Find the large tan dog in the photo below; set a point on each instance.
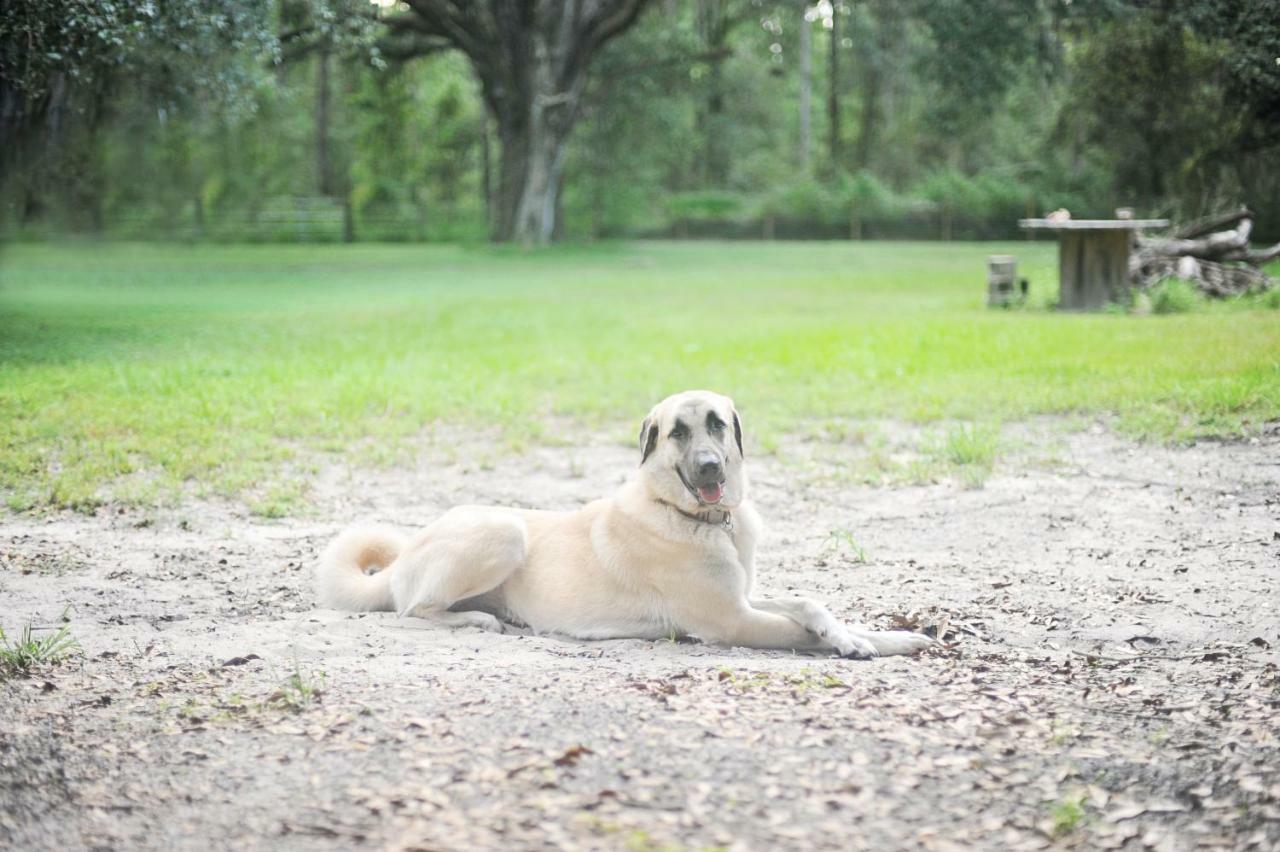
(671, 554)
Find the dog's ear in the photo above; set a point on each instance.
(648, 438)
(737, 432)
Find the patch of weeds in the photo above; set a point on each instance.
(191, 712)
(923, 471)
(28, 653)
(300, 690)
(970, 451)
(280, 500)
(1175, 296)
(1066, 816)
(878, 467)
(843, 541)
(745, 680)
(21, 501)
(1062, 736)
(842, 431)
(972, 445)
(806, 679)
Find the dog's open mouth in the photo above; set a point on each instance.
(711, 493)
(706, 494)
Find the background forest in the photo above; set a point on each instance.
(336, 119)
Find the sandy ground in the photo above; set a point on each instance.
(1111, 680)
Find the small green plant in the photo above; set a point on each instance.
(842, 540)
(1067, 815)
(279, 501)
(300, 690)
(22, 657)
(1269, 299)
(744, 681)
(1175, 296)
(807, 679)
(969, 449)
(971, 444)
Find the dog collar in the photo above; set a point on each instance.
(715, 519)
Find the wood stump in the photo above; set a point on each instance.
(1093, 268)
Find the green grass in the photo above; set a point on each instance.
(1066, 816)
(968, 450)
(843, 542)
(1174, 296)
(300, 690)
(30, 653)
(135, 372)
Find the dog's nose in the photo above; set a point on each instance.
(709, 466)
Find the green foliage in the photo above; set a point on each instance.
(1199, 150)
(29, 653)
(1175, 296)
(1067, 816)
(843, 540)
(809, 200)
(705, 206)
(300, 691)
(192, 119)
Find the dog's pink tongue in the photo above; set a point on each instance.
(710, 493)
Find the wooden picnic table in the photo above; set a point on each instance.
(1093, 258)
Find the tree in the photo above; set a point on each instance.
(62, 66)
(532, 58)
(805, 98)
(327, 29)
(833, 89)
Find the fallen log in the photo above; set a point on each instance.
(1219, 262)
(1214, 279)
(1200, 227)
(1211, 247)
(1255, 257)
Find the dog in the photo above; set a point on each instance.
(670, 555)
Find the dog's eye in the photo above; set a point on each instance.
(680, 432)
(714, 423)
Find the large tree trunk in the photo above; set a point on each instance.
(534, 133)
(531, 57)
(869, 121)
(486, 170)
(833, 90)
(324, 172)
(714, 24)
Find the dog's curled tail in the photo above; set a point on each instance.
(342, 578)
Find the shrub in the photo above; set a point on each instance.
(705, 206)
(1175, 296)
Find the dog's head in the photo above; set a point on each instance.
(691, 452)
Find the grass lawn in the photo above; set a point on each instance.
(130, 371)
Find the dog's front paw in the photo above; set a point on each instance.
(846, 644)
(900, 642)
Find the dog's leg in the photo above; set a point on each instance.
(464, 554)
(818, 620)
(856, 641)
(472, 618)
(724, 620)
(890, 643)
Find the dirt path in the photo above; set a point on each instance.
(1112, 683)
